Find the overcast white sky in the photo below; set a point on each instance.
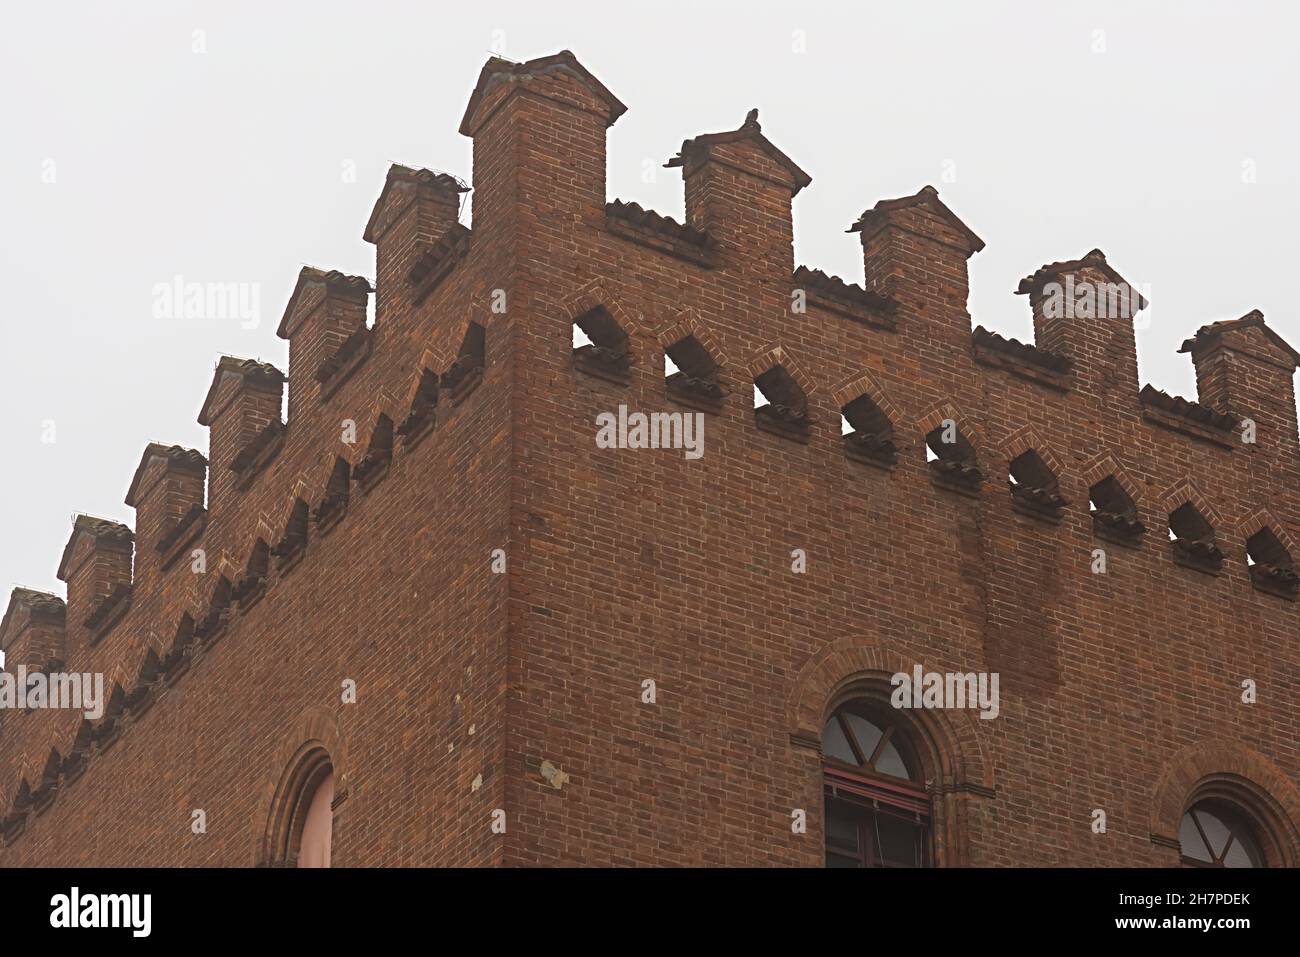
(1164, 133)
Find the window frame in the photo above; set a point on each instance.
(875, 792)
(1243, 828)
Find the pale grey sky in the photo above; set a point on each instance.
(130, 158)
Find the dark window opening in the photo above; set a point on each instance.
(374, 464)
(186, 630)
(877, 808)
(294, 541)
(868, 433)
(215, 618)
(1114, 513)
(335, 503)
(780, 405)
(467, 371)
(601, 347)
(111, 723)
(1192, 538)
(251, 585)
(48, 783)
(423, 413)
(141, 695)
(1271, 567)
(952, 459)
(1034, 487)
(691, 375)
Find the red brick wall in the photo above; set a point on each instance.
(398, 596)
(1118, 691)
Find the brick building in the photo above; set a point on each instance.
(426, 618)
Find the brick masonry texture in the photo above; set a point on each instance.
(1120, 691)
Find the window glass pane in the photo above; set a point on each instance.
(866, 733)
(1238, 855)
(891, 762)
(835, 745)
(898, 842)
(834, 860)
(1216, 832)
(841, 828)
(1190, 840)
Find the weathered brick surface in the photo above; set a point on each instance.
(1119, 691)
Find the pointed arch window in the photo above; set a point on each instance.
(877, 807)
(424, 408)
(249, 587)
(467, 371)
(691, 375)
(294, 542)
(601, 346)
(1114, 513)
(1271, 566)
(1034, 487)
(330, 509)
(868, 435)
(379, 455)
(1192, 538)
(952, 459)
(781, 406)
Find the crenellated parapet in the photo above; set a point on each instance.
(915, 252)
(415, 211)
(719, 168)
(167, 493)
(1244, 366)
(884, 373)
(1083, 309)
(33, 630)
(242, 413)
(96, 567)
(325, 323)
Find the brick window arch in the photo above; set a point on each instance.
(781, 404)
(1114, 513)
(601, 346)
(868, 434)
(467, 371)
(301, 825)
(1272, 567)
(951, 763)
(1035, 488)
(691, 375)
(1192, 538)
(1247, 793)
(877, 806)
(1230, 821)
(952, 458)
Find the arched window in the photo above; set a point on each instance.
(317, 825)
(877, 808)
(1035, 489)
(1218, 833)
(953, 460)
(300, 829)
(780, 404)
